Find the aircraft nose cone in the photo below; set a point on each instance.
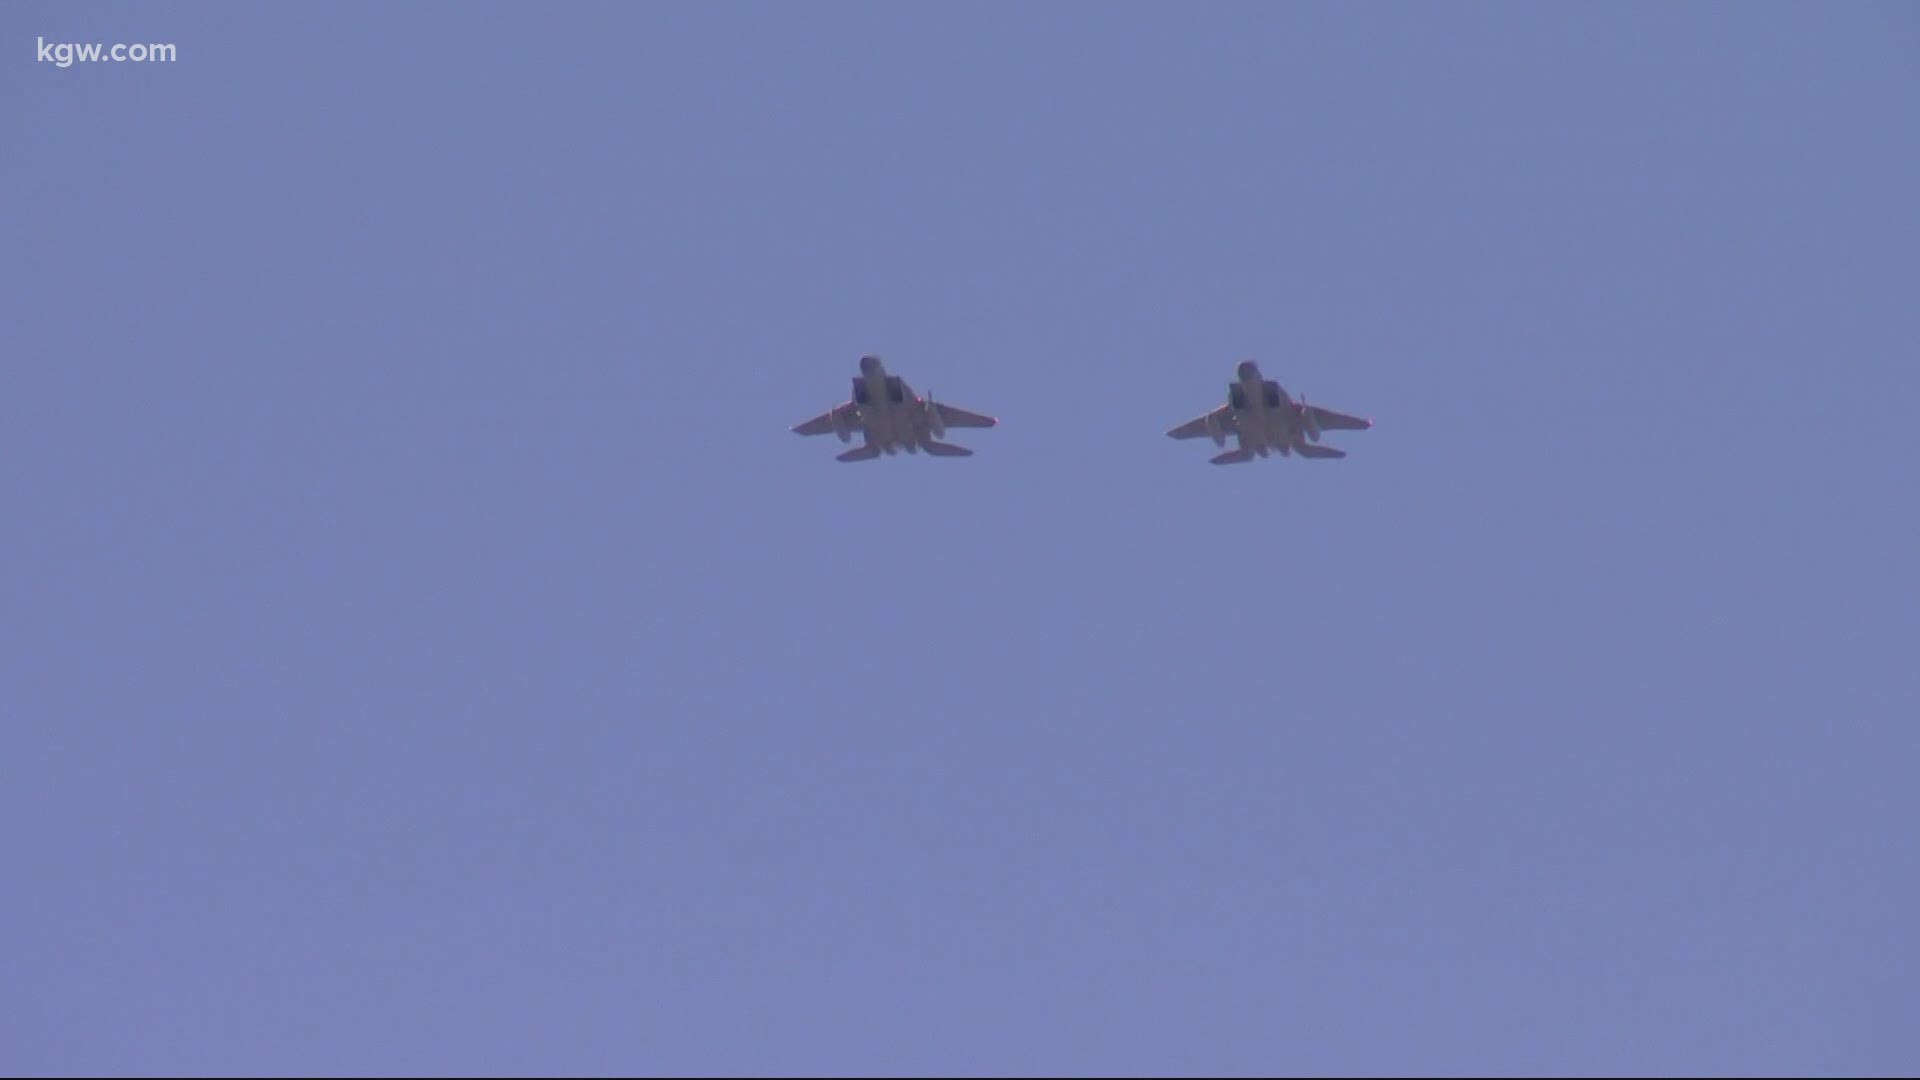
(869, 363)
(1249, 370)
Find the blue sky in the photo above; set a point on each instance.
(426, 649)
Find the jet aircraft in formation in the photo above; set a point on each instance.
(890, 418)
(1261, 416)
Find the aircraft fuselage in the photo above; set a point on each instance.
(1267, 419)
(892, 416)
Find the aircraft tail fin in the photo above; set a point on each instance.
(1233, 457)
(860, 453)
(940, 449)
(1309, 450)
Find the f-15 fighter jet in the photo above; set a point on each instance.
(890, 417)
(1265, 419)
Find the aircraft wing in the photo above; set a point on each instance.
(961, 418)
(1196, 428)
(823, 424)
(1333, 421)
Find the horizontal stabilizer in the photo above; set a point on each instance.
(859, 453)
(1233, 457)
(1312, 451)
(940, 449)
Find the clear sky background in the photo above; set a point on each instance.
(424, 647)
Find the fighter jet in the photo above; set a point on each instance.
(890, 418)
(1264, 419)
